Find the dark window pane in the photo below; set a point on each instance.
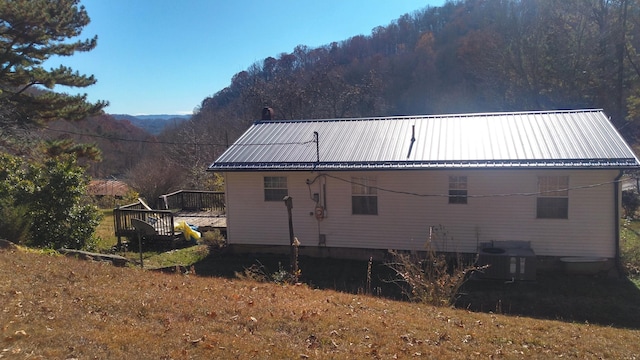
(364, 205)
(553, 208)
(275, 188)
(457, 196)
(275, 181)
(275, 194)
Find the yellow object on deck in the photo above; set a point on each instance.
(189, 233)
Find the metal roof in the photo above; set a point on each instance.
(549, 139)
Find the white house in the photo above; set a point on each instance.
(549, 179)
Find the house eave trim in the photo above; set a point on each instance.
(621, 164)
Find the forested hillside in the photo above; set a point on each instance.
(466, 56)
(153, 124)
(120, 142)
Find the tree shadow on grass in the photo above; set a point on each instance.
(323, 273)
(553, 296)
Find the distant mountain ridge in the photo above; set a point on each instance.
(153, 124)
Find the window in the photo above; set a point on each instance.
(364, 196)
(275, 188)
(457, 189)
(553, 197)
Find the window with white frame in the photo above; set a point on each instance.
(364, 196)
(275, 188)
(458, 190)
(553, 197)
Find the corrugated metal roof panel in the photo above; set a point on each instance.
(579, 138)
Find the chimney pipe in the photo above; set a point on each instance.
(267, 113)
(413, 139)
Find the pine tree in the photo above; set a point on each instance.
(31, 32)
(41, 195)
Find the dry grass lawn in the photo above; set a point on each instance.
(55, 307)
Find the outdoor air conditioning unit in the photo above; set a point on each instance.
(507, 260)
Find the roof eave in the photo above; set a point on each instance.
(622, 164)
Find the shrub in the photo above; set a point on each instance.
(432, 278)
(630, 246)
(258, 272)
(14, 222)
(60, 216)
(14, 219)
(213, 238)
(51, 195)
(630, 203)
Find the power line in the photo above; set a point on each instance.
(315, 141)
(111, 138)
(128, 140)
(536, 193)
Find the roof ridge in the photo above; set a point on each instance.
(431, 116)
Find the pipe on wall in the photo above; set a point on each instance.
(616, 202)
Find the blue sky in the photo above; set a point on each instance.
(166, 56)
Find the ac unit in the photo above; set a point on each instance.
(507, 261)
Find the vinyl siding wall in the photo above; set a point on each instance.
(502, 212)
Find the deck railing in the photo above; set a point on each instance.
(193, 200)
(162, 220)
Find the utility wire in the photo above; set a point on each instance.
(123, 139)
(173, 142)
(536, 193)
(337, 177)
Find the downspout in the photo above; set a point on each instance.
(616, 201)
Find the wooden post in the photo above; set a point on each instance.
(116, 225)
(288, 201)
(140, 247)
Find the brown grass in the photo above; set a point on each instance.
(56, 307)
(105, 231)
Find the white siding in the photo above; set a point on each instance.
(503, 211)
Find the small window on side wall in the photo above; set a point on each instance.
(364, 196)
(275, 188)
(458, 190)
(553, 197)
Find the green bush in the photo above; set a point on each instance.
(60, 217)
(630, 246)
(51, 194)
(213, 238)
(630, 203)
(14, 222)
(259, 273)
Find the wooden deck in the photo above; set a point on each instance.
(204, 220)
(204, 209)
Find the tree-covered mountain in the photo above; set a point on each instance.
(465, 56)
(123, 140)
(153, 124)
(121, 143)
